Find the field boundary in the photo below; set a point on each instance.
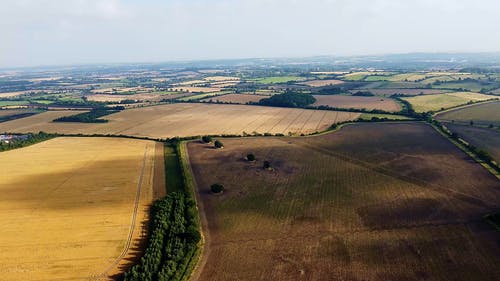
(462, 147)
(200, 256)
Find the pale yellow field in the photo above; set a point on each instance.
(442, 101)
(191, 119)
(12, 94)
(72, 208)
(196, 89)
(221, 78)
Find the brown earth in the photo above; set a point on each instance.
(236, 98)
(368, 103)
(370, 202)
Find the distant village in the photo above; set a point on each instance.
(9, 138)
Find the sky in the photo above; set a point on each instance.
(63, 32)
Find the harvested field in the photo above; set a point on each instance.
(74, 208)
(189, 120)
(12, 94)
(236, 98)
(481, 114)
(137, 97)
(368, 103)
(9, 112)
(483, 138)
(196, 89)
(221, 78)
(406, 92)
(322, 83)
(443, 101)
(369, 202)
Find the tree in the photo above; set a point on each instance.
(217, 188)
(267, 165)
(206, 139)
(251, 157)
(218, 144)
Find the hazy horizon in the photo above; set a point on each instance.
(49, 32)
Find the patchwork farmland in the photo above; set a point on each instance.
(346, 206)
(75, 208)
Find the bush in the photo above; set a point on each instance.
(267, 165)
(217, 188)
(251, 157)
(206, 139)
(218, 144)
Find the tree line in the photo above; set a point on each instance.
(174, 236)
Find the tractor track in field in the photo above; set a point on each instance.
(104, 275)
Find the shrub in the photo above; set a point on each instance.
(218, 144)
(206, 139)
(251, 157)
(217, 188)
(267, 165)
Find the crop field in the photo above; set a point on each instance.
(369, 116)
(141, 97)
(368, 202)
(469, 86)
(202, 96)
(279, 79)
(189, 119)
(322, 83)
(482, 138)
(406, 92)
(368, 103)
(236, 98)
(12, 94)
(74, 208)
(443, 101)
(481, 114)
(196, 89)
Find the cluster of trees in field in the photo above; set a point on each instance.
(288, 99)
(91, 116)
(174, 236)
(363, 94)
(25, 140)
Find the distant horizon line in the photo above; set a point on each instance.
(187, 61)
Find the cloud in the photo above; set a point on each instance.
(86, 31)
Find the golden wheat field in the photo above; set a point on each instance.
(190, 119)
(73, 208)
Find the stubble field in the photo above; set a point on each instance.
(74, 208)
(189, 119)
(369, 202)
(368, 103)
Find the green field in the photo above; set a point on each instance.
(13, 103)
(481, 114)
(369, 116)
(442, 101)
(280, 79)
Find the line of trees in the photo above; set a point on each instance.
(174, 236)
(91, 116)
